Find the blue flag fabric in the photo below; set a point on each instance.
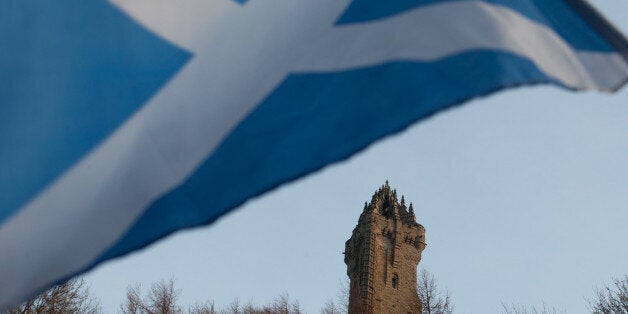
(124, 121)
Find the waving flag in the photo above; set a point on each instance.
(124, 121)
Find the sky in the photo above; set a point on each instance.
(523, 195)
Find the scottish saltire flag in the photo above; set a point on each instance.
(123, 121)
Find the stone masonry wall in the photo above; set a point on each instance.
(382, 256)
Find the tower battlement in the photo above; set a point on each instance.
(382, 256)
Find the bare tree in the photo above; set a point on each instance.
(235, 306)
(433, 300)
(341, 302)
(522, 309)
(161, 299)
(203, 308)
(295, 307)
(70, 297)
(281, 305)
(611, 299)
(330, 308)
(250, 308)
(133, 304)
(343, 296)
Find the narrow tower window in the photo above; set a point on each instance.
(395, 281)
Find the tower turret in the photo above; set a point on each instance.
(382, 256)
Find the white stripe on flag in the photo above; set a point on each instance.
(438, 31)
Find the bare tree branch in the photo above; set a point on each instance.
(204, 308)
(161, 299)
(70, 297)
(432, 299)
(522, 309)
(611, 299)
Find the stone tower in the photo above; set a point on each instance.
(382, 256)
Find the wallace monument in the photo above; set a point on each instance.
(382, 256)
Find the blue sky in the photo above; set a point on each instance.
(523, 195)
